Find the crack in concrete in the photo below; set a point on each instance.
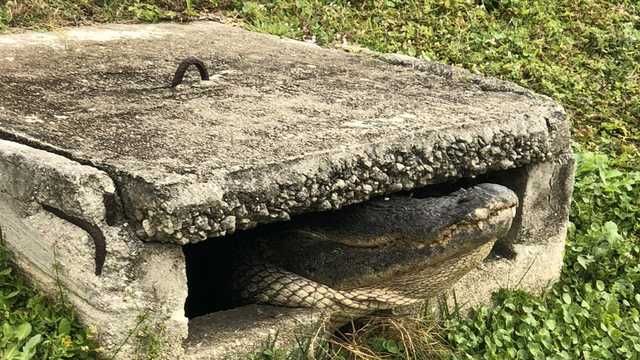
(113, 204)
(113, 210)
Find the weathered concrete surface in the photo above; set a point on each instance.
(284, 127)
(137, 280)
(243, 331)
(534, 269)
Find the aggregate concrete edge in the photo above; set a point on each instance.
(192, 212)
(187, 211)
(321, 182)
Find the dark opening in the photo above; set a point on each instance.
(209, 268)
(209, 264)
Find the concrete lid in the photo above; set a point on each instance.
(282, 127)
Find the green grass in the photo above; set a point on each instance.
(593, 312)
(35, 327)
(583, 53)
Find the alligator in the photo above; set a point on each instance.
(377, 255)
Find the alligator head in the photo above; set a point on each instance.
(407, 247)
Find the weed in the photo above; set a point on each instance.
(149, 340)
(594, 310)
(150, 13)
(372, 338)
(393, 338)
(35, 326)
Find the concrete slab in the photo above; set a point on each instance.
(241, 332)
(100, 160)
(283, 127)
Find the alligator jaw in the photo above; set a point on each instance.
(427, 271)
(489, 217)
(422, 234)
(468, 245)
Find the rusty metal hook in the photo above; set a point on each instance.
(184, 65)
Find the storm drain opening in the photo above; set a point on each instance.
(210, 264)
(210, 267)
(217, 317)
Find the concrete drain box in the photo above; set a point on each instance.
(112, 177)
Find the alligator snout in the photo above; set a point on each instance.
(483, 213)
(401, 249)
(496, 197)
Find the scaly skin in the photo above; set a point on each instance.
(377, 255)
